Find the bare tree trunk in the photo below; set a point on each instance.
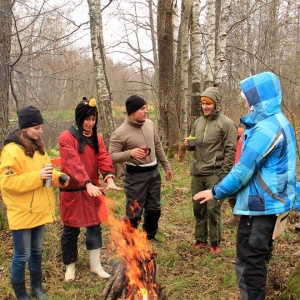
(195, 59)
(211, 44)
(169, 124)
(222, 39)
(185, 101)
(178, 40)
(106, 116)
(153, 42)
(139, 53)
(5, 45)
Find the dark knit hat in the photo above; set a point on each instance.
(84, 109)
(29, 116)
(134, 103)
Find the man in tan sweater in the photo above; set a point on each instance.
(137, 144)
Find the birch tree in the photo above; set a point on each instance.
(185, 100)
(217, 21)
(195, 58)
(106, 114)
(211, 42)
(221, 44)
(154, 48)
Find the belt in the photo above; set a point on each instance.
(82, 188)
(139, 169)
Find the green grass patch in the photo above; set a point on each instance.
(183, 272)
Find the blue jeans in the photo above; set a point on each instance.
(27, 248)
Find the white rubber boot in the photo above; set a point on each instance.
(70, 272)
(95, 263)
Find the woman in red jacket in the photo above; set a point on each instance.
(83, 158)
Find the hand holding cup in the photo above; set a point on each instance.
(46, 175)
(146, 150)
(191, 143)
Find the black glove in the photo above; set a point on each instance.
(63, 179)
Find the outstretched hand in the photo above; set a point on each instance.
(93, 190)
(204, 196)
(112, 186)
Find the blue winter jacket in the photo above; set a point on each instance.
(264, 178)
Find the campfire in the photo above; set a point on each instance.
(135, 276)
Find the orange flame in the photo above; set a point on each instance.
(135, 250)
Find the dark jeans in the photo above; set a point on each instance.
(69, 240)
(254, 249)
(27, 247)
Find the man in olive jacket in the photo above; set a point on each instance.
(216, 139)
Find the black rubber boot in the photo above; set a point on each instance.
(36, 285)
(151, 223)
(20, 290)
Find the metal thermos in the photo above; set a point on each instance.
(47, 182)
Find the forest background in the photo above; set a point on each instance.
(53, 53)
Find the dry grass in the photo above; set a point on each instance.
(183, 272)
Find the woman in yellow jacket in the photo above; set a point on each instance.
(29, 204)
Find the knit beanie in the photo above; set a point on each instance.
(84, 109)
(29, 116)
(207, 99)
(134, 103)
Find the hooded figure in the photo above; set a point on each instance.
(265, 175)
(213, 95)
(263, 179)
(214, 153)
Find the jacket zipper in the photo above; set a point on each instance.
(31, 202)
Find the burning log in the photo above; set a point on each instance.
(115, 285)
(135, 277)
(118, 287)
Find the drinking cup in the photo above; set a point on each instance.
(191, 143)
(146, 150)
(48, 182)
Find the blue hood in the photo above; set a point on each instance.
(263, 93)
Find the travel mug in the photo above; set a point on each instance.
(191, 143)
(47, 182)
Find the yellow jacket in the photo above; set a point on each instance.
(28, 203)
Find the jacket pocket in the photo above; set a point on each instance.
(256, 203)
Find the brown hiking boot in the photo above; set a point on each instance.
(234, 220)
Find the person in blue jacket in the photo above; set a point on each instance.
(263, 179)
